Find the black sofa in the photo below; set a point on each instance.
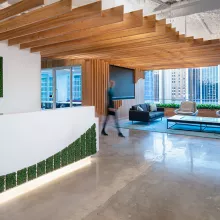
(146, 115)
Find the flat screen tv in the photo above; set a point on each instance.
(124, 82)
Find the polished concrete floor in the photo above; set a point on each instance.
(146, 176)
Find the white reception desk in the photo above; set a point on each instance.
(27, 138)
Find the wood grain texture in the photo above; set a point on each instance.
(108, 16)
(75, 15)
(44, 13)
(93, 34)
(19, 7)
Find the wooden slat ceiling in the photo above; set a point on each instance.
(131, 40)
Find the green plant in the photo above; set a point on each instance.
(49, 164)
(57, 161)
(93, 139)
(71, 153)
(2, 184)
(170, 105)
(208, 106)
(10, 181)
(88, 143)
(21, 176)
(199, 106)
(1, 76)
(41, 168)
(64, 157)
(32, 172)
(83, 146)
(77, 150)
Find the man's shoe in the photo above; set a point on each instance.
(121, 135)
(104, 133)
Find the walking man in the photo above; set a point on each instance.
(111, 110)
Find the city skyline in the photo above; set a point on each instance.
(176, 85)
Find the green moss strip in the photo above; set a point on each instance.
(32, 172)
(21, 176)
(2, 184)
(71, 153)
(49, 165)
(57, 161)
(64, 157)
(78, 149)
(83, 146)
(41, 168)
(88, 143)
(93, 137)
(10, 180)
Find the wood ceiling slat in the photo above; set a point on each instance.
(76, 15)
(139, 34)
(125, 40)
(108, 16)
(118, 36)
(32, 17)
(141, 27)
(19, 7)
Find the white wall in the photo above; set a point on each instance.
(29, 138)
(21, 79)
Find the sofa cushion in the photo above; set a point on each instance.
(153, 115)
(134, 107)
(145, 107)
(153, 107)
(140, 109)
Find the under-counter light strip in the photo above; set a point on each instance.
(34, 184)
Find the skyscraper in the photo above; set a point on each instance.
(152, 88)
(201, 85)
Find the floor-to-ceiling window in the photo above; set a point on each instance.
(47, 89)
(61, 87)
(175, 85)
(77, 85)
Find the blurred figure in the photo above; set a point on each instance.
(111, 110)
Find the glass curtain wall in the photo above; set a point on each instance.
(47, 89)
(61, 87)
(201, 85)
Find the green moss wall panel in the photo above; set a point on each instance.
(57, 161)
(2, 184)
(10, 180)
(32, 172)
(71, 153)
(83, 146)
(21, 176)
(49, 165)
(93, 137)
(41, 168)
(1, 76)
(64, 157)
(79, 149)
(88, 143)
